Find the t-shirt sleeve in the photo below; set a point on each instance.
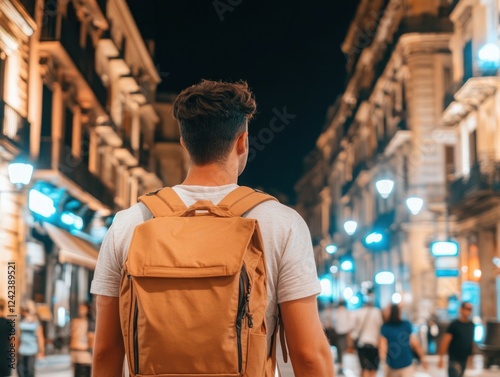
(107, 274)
(297, 269)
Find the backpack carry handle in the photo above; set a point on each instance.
(205, 206)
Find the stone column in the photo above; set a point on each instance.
(487, 282)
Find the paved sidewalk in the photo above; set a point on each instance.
(351, 368)
(60, 366)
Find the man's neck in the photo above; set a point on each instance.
(210, 175)
(464, 320)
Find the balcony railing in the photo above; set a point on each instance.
(14, 127)
(483, 181)
(75, 169)
(66, 30)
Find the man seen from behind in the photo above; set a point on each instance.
(213, 119)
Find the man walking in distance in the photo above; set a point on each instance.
(366, 335)
(458, 341)
(213, 119)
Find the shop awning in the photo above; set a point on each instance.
(72, 249)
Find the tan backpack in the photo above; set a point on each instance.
(193, 291)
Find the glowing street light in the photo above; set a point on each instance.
(396, 298)
(415, 204)
(20, 173)
(348, 293)
(384, 278)
(489, 54)
(374, 237)
(350, 227)
(384, 187)
(347, 265)
(331, 249)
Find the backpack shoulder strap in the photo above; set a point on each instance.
(243, 199)
(163, 202)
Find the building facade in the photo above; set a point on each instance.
(17, 27)
(79, 98)
(472, 121)
(379, 148)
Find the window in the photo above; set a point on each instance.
(473, 148)
(3, 58)
(468, 61)
(449, 163)
(447, 79)
(85, 151)
(68, 128)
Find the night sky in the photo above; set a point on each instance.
(288, 51)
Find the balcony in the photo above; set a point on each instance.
(66, 31)
(14, 129)
(417, 24)
(477, 192)
(469, 97)
(73, 169)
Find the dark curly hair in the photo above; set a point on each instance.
(211, 115)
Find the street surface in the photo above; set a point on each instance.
(60, 366)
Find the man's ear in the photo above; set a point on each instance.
(242, 143)
(182, 143)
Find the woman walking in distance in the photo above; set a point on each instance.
(31, 341)
(396, 345)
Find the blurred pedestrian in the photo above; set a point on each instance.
(343, 323)
(31, 341)
(327, 318)
(432, 334)
(365, 336)
(458, 341)
(398, 344)
(82, 341)
(5, 342)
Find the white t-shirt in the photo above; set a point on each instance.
(291, 270)
(369, 333)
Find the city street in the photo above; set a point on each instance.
(351, 369)
(59, 366)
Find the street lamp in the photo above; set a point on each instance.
(350, 227)
(331, 249)
(347, 265)
(373, 238)
(20, 173)
(384, 278)
(415, 204)
(384, 187)
(489, 56)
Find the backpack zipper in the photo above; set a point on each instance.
(136, 339)
(243, 311)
